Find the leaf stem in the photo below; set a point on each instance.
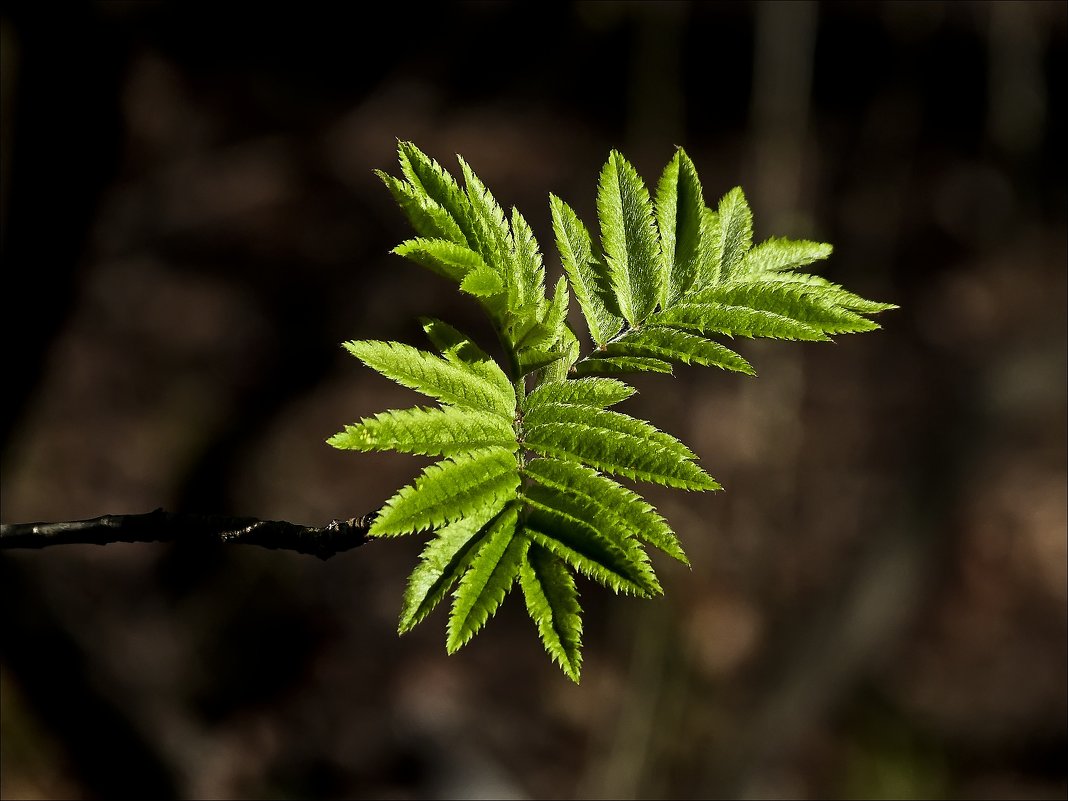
(160, 526)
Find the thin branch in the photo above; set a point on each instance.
(160, 526)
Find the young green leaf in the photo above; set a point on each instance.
(462, 485)
(427, 217)
(455, 383)
(555, 523)
(552, 602)
(432, 181)
(445, 258)
(711, 250)
(632, 515)
(573, 242)
(617, 452)
(628, 238)
(735, 232)
(568, 347)
(831, 292)
(443, 561)
(775, 254)
(529, 267)
(482, 282)
(519, 491)
(429, 432)
(597, 392)
(806, 303)
(722, 318)
(491, 574)
(616, 365)
(679, 210)
(674, 345)
(491, 232)
(540, 412)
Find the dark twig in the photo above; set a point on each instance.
(160, 526)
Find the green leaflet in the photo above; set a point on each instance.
(629, 513)
(529, 267)
(722, 318)
(617, 452)
(459, 349)
(589, 285)
(491, 232)
(430, 432)
(776, 254)
(568, 346)
(735, 232)
(430, 180)
(521, 491)
(482, 282)
(443, 257)
(491, 574)
(614, 365)
(557, 523)
(449, 381)
(711, 249)
(597, 392)
(679, 210)
(539, 412)
(552, 602)
(449, 490)
(628, 237)
(810, 304)
(427, 217)
(544, 499)
(831, 292)
(670, 344)
(444, 559)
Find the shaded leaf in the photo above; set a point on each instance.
(492, 572)
(613, 501)
(552, 603)
(675, 345)
(444, 559)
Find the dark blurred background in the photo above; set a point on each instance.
(877, 605)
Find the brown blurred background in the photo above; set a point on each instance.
(877, 606)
